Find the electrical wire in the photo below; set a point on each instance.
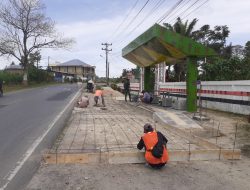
(169, 11)
(174, 9)
(196, 9)
(184, 11)
(134, 18)
(178, 9)
(125, 18)
(158, 4)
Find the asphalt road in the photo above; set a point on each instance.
(24, 116)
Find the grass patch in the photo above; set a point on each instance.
(16, 87)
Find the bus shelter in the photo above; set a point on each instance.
(157, 45)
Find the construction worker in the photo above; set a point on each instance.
(126, 86)
(99, 95)
(90, 86)
(148, 141)
(83, 102)
(146, 97)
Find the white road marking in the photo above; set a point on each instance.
(25, 157)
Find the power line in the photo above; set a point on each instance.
(185, 10)
(196, 8)
(157, 5)
(178, 9)
(147, 16)
(154, 8)
(134, 18)
(169, 11)
(174, 9)
(125, 18)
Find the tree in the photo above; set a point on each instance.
(185, 29)
(35, 58)
(136, 72)
(214, 38)
(182, 28)
(24, 29)
(247, 50)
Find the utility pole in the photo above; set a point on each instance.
(48, 70)
(107, 62)
(48, 61)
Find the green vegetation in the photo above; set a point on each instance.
(37, 78)
(233, 62)
(38, 75)
(15, 87)
(11, 78)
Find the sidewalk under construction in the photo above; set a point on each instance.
(110, 135)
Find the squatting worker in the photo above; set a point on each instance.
(148, 141)
(99, 95)
(83, 102)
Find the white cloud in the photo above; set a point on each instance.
(90, 34)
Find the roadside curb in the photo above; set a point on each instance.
(31, 160)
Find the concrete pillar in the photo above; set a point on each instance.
(192, 73)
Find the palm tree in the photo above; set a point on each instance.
(185, 29)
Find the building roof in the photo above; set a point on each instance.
(75, 62)
(14, 67)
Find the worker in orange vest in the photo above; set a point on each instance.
(99, 95)
(148, 141)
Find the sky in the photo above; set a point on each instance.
(93, 22)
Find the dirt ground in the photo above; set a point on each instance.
(226, 129)
(176, 175)
(185, 175)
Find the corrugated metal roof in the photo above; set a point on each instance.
(74, 62)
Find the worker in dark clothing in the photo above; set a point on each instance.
(146, 97)
(1, 87)
(126, 86)
(148, 141)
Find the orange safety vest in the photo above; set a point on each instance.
(98, 93)
(150, 139)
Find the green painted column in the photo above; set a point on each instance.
(192, 73)
(149, 79)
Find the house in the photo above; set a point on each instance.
(14, 69)
(73, 68)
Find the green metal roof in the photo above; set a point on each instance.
(158, 44)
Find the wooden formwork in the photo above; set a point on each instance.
(134, 157)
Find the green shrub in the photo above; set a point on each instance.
(9, 78)
(38, 75)
(113, 86)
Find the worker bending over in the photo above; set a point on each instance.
(99, 95)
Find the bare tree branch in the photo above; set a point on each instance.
(24, 28)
